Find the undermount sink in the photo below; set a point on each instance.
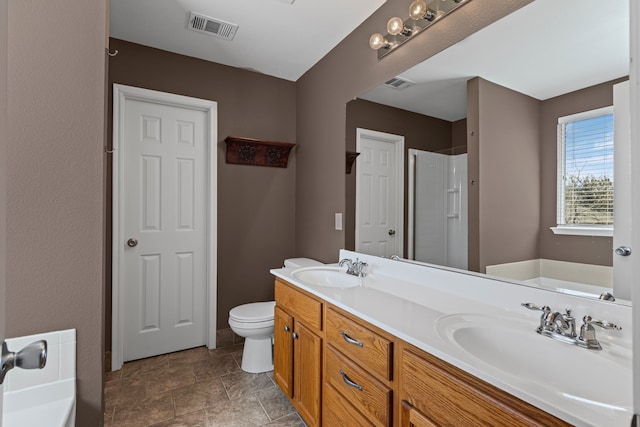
(601, 378)
(326, 276)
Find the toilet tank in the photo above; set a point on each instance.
(301, 262)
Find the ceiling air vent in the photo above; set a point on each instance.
(398, 83)
(212, 26)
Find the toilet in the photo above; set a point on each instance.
(254, 322)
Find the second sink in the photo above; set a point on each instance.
(512, 347)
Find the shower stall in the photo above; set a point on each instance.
(437, 230)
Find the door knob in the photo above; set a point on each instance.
(392, 232)
(623, 251)
(132, 243)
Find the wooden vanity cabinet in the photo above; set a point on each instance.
(339, 370)
(298, 343)
(435, 393)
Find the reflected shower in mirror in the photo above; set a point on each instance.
(497, 97)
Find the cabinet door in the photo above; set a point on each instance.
(410, 417)
(283, 351)
(307, 374)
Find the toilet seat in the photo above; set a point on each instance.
(255, 312)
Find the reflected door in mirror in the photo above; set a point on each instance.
(379, 193)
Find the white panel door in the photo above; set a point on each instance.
(379, 203)
(164, 247)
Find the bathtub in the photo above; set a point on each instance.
(568, 277)
(33, 398)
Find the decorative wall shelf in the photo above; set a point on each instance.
(351, 157)
(249, 151)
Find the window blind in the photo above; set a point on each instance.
(585, 172)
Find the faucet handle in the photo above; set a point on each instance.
(344, 261)
(33, 356)
(546, 325)
(602, 323)
(532, 306)
(587, 338)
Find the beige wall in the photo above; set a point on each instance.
(54, 168)
(256, 210)
(584, 249)
(347, 71)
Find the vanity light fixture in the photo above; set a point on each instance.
(422, 14)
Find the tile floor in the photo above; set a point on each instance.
(197, 387)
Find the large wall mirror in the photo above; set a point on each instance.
(478, 127)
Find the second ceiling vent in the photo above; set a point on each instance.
(398, 83)
(212, 26)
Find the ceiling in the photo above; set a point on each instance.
(281, 38)
(545, 49)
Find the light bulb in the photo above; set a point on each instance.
(395, 26)
(418, 10)
(377, 40)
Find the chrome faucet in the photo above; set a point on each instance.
(562, 327)
(354, 268)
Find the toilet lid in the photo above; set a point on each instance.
(253, 312)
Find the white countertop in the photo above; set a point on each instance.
(409, 301)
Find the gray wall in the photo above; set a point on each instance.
(507, 174)
(55, 184)
(347, 71)
(256, 211)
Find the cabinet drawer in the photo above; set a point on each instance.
(338, 412)
(448, 396)
(361, 344)
(303, 307)
(367, 394)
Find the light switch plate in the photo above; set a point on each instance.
(339, 221)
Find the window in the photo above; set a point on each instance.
(585, 173)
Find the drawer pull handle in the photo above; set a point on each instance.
(350, 340)
(349, 382)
